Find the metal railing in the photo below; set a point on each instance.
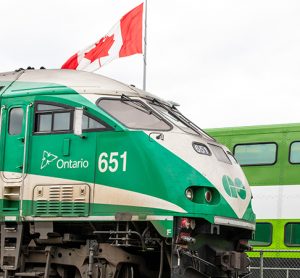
(274, 264)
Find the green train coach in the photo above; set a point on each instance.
(270, 158)
(100, 179)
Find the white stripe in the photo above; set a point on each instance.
(233, 222)
(121, 197)
(10, 218)
(94, 218)
(103, 194)
(83, 62)
(114, 51)
(276, 201)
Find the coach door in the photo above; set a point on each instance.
(13, 130)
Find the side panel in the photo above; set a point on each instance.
(13, 130)
(260, 174)
(290, 174)
(61, 155)
(14, 151)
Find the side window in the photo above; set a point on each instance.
(295, 153)
(88, 123)
(256, 154)
(15, 121)
(292, 234)
(53, 118)
(263, 234)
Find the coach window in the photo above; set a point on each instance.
(53, 118)
(292, 234)
(295, 153)
(263, 234)
(256, 153)
(15, 121)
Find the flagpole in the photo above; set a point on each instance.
(145, 47)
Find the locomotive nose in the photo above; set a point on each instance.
(220, 178)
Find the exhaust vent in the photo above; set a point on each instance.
(61, 200)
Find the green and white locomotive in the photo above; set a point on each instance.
(101, 179)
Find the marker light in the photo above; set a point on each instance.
(187, 223)
(189, 194)
(243, 245)
(201, 148)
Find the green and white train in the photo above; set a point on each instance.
(101, 179)
(270, 158)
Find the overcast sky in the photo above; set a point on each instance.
(227, 63)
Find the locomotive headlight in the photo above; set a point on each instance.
(208, 196)
(189, 193)
(202, 195)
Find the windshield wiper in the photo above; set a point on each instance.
(136, 104)
(178, 116)
(191, 124)
(181, 118)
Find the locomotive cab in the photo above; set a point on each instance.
(93, 167)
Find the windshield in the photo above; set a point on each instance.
(133, 114)
(173, 115)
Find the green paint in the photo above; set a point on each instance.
(164, 227)
(281, 173)
(129, 161)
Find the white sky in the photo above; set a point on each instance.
(227, 63)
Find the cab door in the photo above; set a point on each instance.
(13, 149)
(13, 131)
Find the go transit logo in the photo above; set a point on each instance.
(234, 188)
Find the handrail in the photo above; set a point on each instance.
(3, 107)
(24, 157)
(1, 114)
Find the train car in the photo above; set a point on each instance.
(270, 158)
(101, 179)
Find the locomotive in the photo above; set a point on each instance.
(101, 179)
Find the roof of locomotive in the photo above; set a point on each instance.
(31, 81)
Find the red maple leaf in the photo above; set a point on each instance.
(101, 48)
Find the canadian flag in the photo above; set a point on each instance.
(124, 39)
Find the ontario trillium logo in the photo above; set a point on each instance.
(47, 159)
(61, 163)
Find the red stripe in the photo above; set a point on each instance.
(132, 29)
(101, 49)
(72, 63)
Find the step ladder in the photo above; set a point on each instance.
(12, 191)
(11, 238)
(11, 196)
